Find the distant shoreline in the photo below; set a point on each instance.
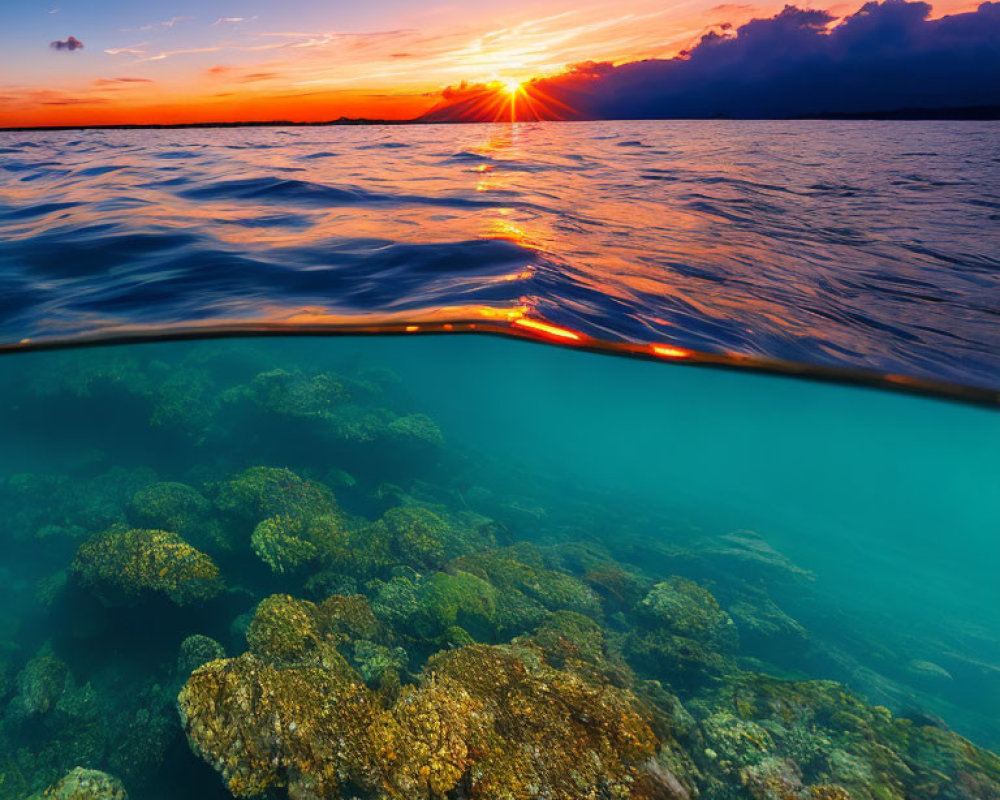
(966, 113)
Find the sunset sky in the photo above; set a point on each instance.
(308, 60)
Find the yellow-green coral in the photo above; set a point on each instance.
(179, 508)
(124, 564)
(496, 720)
(417, 428)
(420, 536)
(295, 520)
(525, 583)
(258, 725)
(840, 746)
(687, 609)
(261, 492)
(279, 542)
(87, 784)
(296, 395)
(41, 683)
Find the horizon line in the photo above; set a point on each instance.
(979, 113)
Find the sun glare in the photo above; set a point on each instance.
(511, 86)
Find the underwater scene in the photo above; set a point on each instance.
(461, 567)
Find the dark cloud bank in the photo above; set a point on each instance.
(885, 56)
(71, 44)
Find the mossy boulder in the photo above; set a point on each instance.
(294, 520)
(180, 508)
(196, 650)
(686, 609)
(496, 721)
(87, 784)
(122, 565)
(820, 740)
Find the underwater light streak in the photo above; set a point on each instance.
(544, 327)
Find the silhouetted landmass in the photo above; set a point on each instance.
(185, 125)
(983, 113)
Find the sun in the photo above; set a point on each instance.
(511, 86)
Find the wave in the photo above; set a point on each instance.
(822, 247)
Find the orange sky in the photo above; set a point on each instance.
(302, 60)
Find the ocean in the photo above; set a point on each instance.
(454, 563)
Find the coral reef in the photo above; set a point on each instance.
(498, 720)
(123, 564)
(180, 508)
(87, 784)
(196, 650)
(295, 520)
(436, 625)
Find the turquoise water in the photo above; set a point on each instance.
(626, 547)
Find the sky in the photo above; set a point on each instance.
(68, 62)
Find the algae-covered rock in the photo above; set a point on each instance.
(294, 520)
(496, 721)
(196, 650)
(816, 739)
(180, 508)
(416, 429)
(444, 600)
(281, 543)
(87, 784)
(49, 727)
(42, 683)
(765, 628)
(421, 537)
(551, 733)
(373, 660)
(425, 538)
(687, 609)
(294, 394)
(261, 492)
(290, 632)
(262, 726)
(748, 554)
(527, 587)
(124, 564)
(684, 637)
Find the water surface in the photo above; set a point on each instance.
(850, 244)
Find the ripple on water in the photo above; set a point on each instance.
(777, 239)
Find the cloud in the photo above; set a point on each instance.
(120, 81)
(71, 44)
(132, 51)
(76, 101)
(231, 20)
(886, 56)
(169, 53)
(166, 23)
(259, 76)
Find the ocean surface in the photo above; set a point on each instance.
(486, 568)
(857, 244)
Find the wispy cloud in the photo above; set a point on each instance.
(120, 81)
(131, 50)
(163, 23)
(76, 101)
(169, 53)
(233, 20)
